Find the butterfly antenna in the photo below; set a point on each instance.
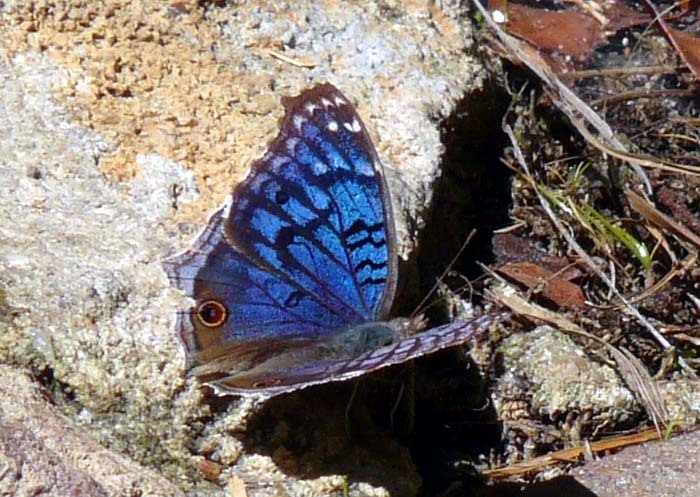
(348, 406)
(395, 406)
(457, 291)
(464, 288)
(419, 308)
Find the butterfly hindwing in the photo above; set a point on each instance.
(302, 375)
(260, 306)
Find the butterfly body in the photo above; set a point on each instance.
(295, 274)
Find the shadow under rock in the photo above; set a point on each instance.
(474, 190)
(473, 193)
(326, 430)
(378, 435)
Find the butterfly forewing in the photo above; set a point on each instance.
(316, 209)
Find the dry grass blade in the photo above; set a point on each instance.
(644, 387)
(637, 159)
(660, 219)
(574, 453)
(644, 93)
(621, 71)
(687, 264)
(306, 62)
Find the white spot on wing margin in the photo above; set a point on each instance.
(353, 127)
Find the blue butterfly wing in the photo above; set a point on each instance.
(316, 210)
(302, 251)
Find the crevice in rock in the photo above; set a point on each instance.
(454, 422)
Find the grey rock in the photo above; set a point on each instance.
(655, 469)
(550, 380)
(85, 295)
(43, 453)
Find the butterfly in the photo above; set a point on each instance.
(294, 276)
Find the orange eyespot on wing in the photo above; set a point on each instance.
(212, 313)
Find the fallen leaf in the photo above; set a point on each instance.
(548, 284)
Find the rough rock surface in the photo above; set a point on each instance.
(658, 469)
(123, 125)
(582, 395)
(43, 453)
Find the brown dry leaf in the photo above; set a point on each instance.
(553, 287)
(620, 16)
(569, 33)
(566, 32)
(687, 46)
(509, 247)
